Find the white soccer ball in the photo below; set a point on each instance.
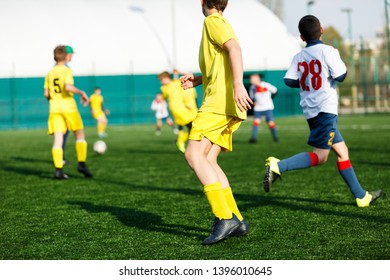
(100, 147)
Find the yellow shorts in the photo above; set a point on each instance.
(215, 127)
(61, 122)
(98, 114)
(183, 116)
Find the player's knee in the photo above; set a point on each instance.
(256, 122)
(190, 158)
(271, 124)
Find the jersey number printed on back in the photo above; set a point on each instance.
(57, 88)
(313, 68)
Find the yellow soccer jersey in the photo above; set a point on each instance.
(190, 99)
(175, 95)
(61, 101)
(214, 63)
(96, 101)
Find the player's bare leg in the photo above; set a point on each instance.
(212, 157)
(226, 221)
(102, 126)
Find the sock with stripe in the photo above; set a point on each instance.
(349, 176)
(298, 161)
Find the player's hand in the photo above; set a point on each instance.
(242, 98)
(84, 99)
(187, 81)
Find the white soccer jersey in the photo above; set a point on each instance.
(316, 68)
(161, 109)
(263, 96)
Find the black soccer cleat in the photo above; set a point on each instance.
(82, 168)
(60, 175)
(242, 230)
(222, 229)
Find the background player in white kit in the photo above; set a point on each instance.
(261, 93)
(160, 107)
(315, 70)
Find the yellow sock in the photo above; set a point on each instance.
(182, 136)
(81, 150)
(101, 127)
(58, 156)
(217, 201)
(232, 202)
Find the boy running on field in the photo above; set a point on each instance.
(315, 70)
(183, 115)
(224, 107)
(64, 115)
(99, 112)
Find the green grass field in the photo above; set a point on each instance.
(145, 203)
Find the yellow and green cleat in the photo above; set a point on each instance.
(369, 198)
(272, 173)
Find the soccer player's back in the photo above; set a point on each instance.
(64, 115)
(315, 70)
(224, 106)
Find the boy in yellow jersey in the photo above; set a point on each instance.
(64, 115)
(182, 109)
(99, 112)
(224, 107)
(69, 55)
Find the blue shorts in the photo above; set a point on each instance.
(324, 131)
(269, 115)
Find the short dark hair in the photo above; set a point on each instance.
(310, 28)
(164, 74)
(220, 5)
(59, 53)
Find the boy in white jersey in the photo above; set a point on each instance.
(262, 94)
(315, 70)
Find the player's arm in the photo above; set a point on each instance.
(190, 81)
(337, 67)
(75, 90)
(292, 83)
(341, 78)
(241, 96)
(46, 93)
(291, 79)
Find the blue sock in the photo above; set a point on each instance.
(64, 141)
(255, 130)
(274, 134)
(349, 176)
(299, 161)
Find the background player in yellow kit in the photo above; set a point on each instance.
(182, 105)
(99, 112)
(64, 115)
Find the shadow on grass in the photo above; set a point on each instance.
(31, 160)
(295, 204)
(28, 171)
(140, 219)
(246, 201)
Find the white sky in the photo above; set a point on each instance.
(367, 16)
